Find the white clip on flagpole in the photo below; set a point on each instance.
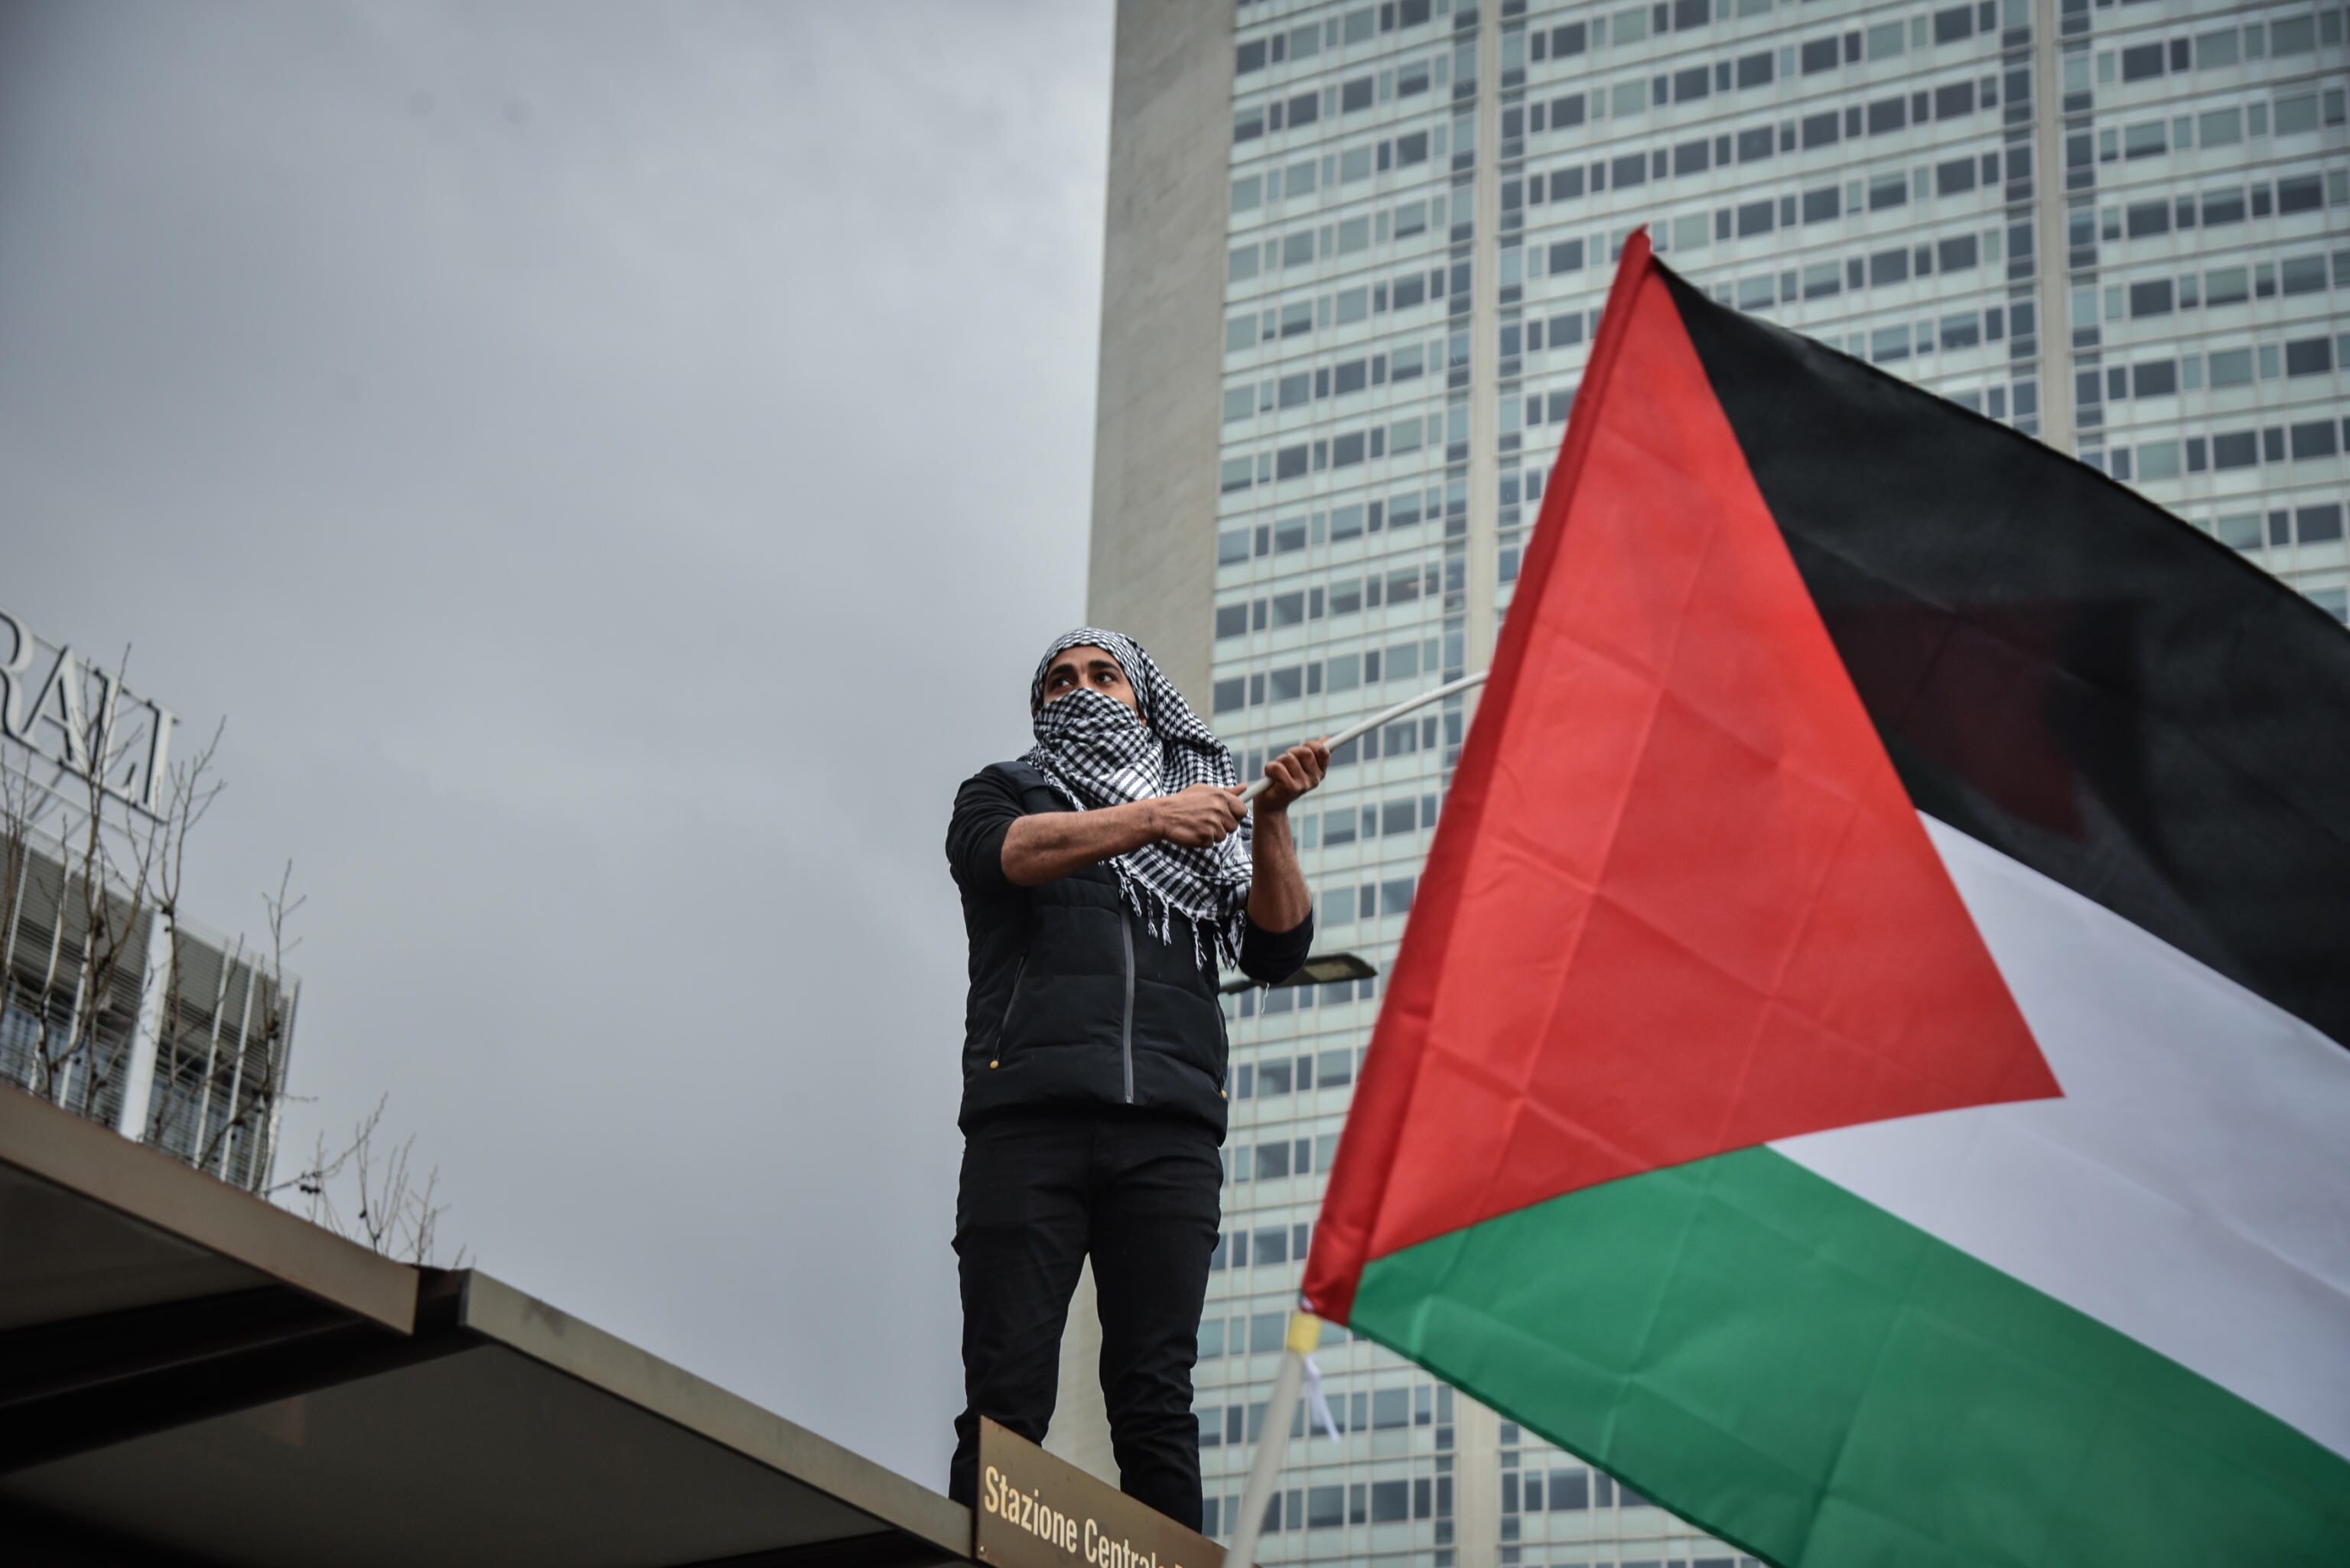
(1317, 1404)
(1409, 705)
(1273, 1437)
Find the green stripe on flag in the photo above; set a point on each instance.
(1792, 1368)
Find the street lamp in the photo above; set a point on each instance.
(1322, 968)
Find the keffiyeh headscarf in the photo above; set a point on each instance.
(1097, 752)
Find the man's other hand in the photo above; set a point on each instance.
(1201, 815)
(1293, 772)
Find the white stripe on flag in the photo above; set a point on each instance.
(2192, 1188)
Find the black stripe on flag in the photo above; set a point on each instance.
(2058, 667)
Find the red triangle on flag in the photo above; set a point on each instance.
(1679, 902)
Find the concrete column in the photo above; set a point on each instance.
(1158, 425)
(1476, 1431)
(1484, 362)
(1158, 418)
(1476, 1484)
(147, 1029)
(1080, 1430)
(2050, 272)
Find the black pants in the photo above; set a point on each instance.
(1039, 1194)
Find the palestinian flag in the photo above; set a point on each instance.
(1868, 1063)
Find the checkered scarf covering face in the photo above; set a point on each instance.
(1098, 753)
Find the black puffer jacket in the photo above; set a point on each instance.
(1074, 1001)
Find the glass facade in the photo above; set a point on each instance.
(2207, 264)
(2123, 228)
(187, 1045)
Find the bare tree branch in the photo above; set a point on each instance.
(370, 1196)
(252, 1097)
(91, 916)
(191, 796)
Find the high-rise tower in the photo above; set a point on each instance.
(1356, 253)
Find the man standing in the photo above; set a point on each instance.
(1105, 874)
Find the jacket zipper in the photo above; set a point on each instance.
(1004, 1025)
(1126, 1025)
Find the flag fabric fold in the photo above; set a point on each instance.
(1868, 1062)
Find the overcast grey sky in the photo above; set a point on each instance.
(612, 464)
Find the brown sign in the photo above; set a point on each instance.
(1039, 1511)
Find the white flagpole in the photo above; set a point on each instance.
(1305, 1328)
(1409, 705)
(1273, 1437)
